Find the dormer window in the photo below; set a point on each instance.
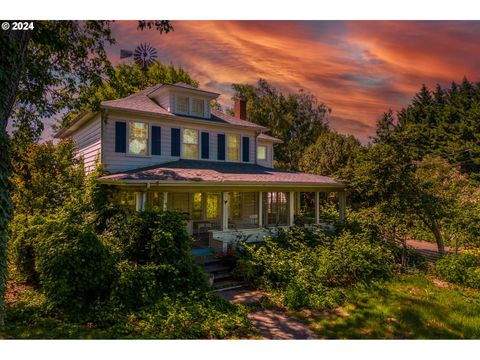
(198, 107)
(183, 104)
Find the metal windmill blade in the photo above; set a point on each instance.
(144, 55)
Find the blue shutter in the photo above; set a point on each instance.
(156, 140)
(246, 149)
(221, 147)
(175, 142)
(205, 145)
(120, 137)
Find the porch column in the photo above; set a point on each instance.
(164, 205)
(224, 211)
(317, 207)
(260, 209)
(291, 205)
(342, 204)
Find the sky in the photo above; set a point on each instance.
(359, 69)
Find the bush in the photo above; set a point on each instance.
(463, 269)
(309, 268)
(153, 250)
(74, 266)
(192, 316)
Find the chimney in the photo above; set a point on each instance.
(241, 109)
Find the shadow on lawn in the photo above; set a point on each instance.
(412, 309)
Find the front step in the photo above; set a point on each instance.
(227, 284)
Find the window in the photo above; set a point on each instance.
(275, 208)
(183, 105)
(198, 107)
(127, 199)
(197, 206)
(233, 149)
(138, 138)
(190, 144)
(261, 152)
(214, 201)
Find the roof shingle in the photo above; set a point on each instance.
(219, 172)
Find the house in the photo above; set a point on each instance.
(165, 146)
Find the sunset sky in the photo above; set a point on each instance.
(357, 68)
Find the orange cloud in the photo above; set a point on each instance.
(358, 68)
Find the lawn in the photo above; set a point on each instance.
(408, 307)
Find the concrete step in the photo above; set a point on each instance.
(216, 267)
(227, 284)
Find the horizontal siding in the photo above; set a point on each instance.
(88, 143)
(115, 162)
(269, 161)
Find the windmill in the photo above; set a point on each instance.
(144, 55)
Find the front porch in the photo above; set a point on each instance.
(220, 219)
(229, 201)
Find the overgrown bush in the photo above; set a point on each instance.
(310, 268)
(74, 266)
(463, 269)
(191, 316)
(153, 250)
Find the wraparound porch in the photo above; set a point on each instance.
(224, 217)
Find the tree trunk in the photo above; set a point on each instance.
(13, 46)
(438, 237)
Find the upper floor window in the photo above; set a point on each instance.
(198, 107)
(233, 147)
(138, 138)
(261, 152)
(190, 144)
(183, 104)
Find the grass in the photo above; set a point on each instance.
(408, 307)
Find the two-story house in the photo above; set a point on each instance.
(165, 146)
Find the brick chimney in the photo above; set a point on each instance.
(241, 109)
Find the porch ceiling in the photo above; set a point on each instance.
(221, 175)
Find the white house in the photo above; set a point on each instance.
(165, 146)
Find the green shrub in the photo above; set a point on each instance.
(192, 316)
(308, 268)
(153, 250)
(463, 269)
(74, 266)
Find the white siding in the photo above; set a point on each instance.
(115, 162)
(88, 142)
(269, 161)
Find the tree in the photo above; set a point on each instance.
(297, 119)
(440, 122)
(44, 70)
(45, 176)
(330, 154)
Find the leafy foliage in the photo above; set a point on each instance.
(297, 119)
(309, 268)
(440, 122)
(463, 269)
(330, 154)
(74, 267)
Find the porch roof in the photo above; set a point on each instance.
(196, 172)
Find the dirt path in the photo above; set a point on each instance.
(271, 324)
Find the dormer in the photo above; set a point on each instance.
(184, 100)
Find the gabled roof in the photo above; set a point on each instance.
(199, 172)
